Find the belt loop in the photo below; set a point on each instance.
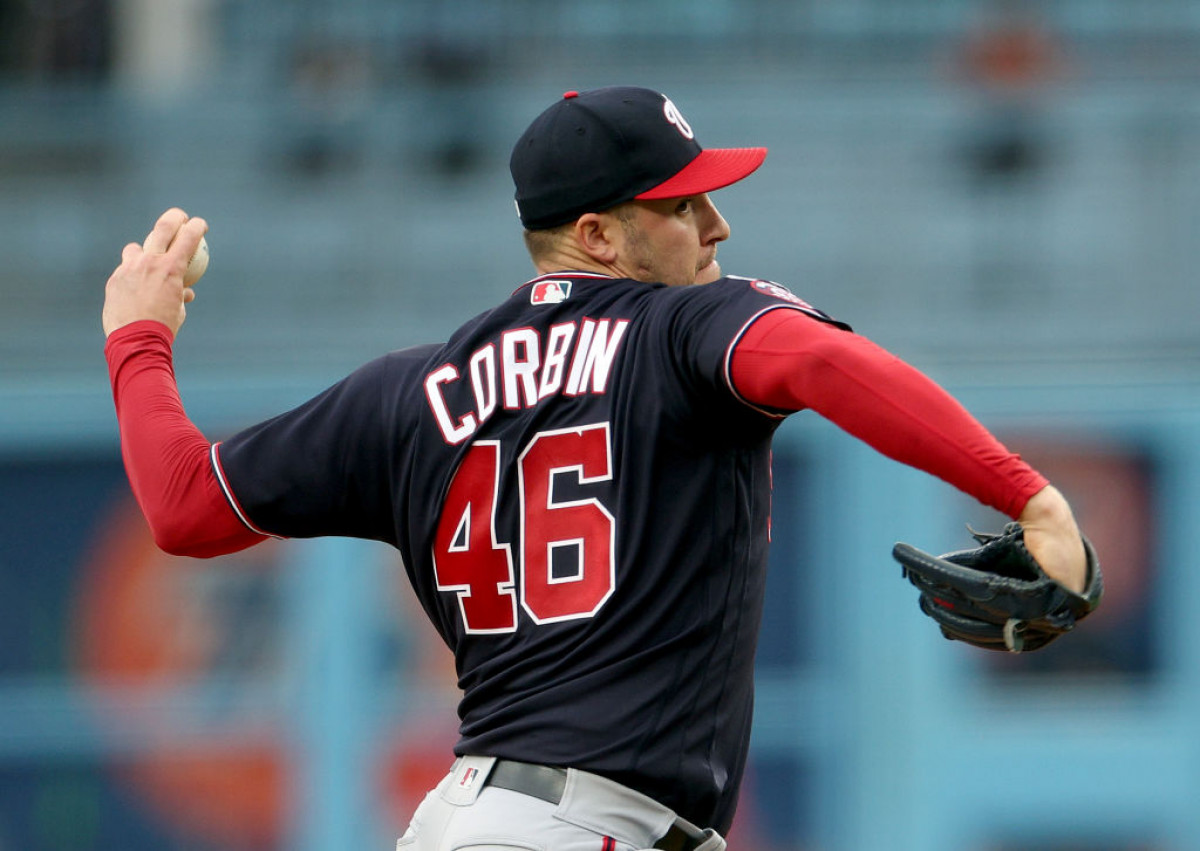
(713, 841)
(685, 836)
(469, 777)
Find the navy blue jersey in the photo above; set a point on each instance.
(582, 503)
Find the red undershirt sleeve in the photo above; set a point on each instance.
(166, 457)
(789, 361)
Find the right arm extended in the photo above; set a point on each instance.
(166, 457)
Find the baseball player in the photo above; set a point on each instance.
(578, 480)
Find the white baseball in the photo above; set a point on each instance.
(197, 265)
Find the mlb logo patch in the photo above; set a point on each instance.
(468, 778)
(550, 292)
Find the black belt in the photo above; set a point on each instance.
(547, 783)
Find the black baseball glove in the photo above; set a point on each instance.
(996, 596)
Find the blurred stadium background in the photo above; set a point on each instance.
(1006, 195)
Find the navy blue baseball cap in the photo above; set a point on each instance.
(593, 150)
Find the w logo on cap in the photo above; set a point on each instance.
(674, 116)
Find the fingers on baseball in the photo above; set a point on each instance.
(176, 234)
(163, 234)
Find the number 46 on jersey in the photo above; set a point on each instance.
(566, 559)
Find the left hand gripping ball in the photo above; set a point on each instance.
(198, 265)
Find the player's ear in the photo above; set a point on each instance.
(599, 235)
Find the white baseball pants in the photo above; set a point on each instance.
(466, 813)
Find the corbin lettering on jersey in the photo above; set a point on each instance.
(522, 370)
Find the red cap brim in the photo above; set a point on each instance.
(712, 169)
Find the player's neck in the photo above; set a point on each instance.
(561, 263)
